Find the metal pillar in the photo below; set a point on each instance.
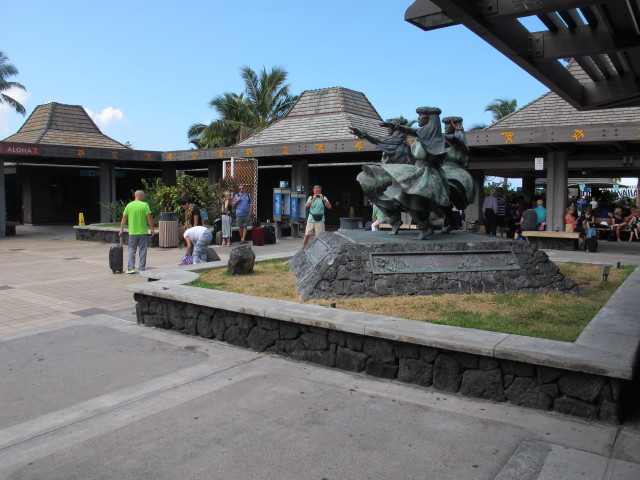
(528, 188)
(27, 199)
(169, 177)
(107, 189)
(474, 210)
(214, 172)
(557, 174)
(3, 203)
(299, 176)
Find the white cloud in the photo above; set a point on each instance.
(107, 116)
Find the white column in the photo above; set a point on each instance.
(557, 174)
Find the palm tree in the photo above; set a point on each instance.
(266, 99)
(501, 107)
(7, 70)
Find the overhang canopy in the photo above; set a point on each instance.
(603, 36)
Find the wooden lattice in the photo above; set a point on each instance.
(243, 171)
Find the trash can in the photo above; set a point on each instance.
(168, 230)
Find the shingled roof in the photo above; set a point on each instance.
(59, 124)
(320, 116)
(551, 110)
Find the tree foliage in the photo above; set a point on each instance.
(8, 70)
(501, 107)
(266, 98)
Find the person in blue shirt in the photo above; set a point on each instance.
(241, 202)
(316, 204)
(541, 212)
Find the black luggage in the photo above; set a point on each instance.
(116, 263)
(592, 244)
(269, 234)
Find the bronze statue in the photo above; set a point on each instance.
(461, 186)
(419, 188)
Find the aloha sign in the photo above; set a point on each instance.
(20, 150)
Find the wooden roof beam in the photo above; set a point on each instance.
(511, 9)
(583, 40)
(511, 38)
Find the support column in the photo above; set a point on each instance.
(474, 210)
(557, 174)
(3, 203)
(528, 188)
(214, 172)
(107, 189)
(300, 175)
(169, 175)
(27, 199)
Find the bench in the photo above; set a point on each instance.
(553, 240)
(10, 228)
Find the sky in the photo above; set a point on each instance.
(146, 70)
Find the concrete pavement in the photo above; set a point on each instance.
(88, 394)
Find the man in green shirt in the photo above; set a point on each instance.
(316, 203)
(138, 215)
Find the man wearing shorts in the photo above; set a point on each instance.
(315, 221)
(241, 202)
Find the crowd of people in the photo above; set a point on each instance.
(510, 220)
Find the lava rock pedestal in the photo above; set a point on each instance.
(366, 264)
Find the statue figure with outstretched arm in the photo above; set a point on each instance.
(395, 150)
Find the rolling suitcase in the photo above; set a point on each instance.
(269, 234)
(591, 244)
(257, 236)
(116, 263)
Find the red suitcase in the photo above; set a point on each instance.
(257, 236)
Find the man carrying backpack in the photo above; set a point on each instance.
(241, 202)
(316, 204)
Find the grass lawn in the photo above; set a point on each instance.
(556, 316)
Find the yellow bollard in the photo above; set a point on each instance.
(81, 219)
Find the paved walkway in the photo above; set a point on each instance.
(49, 277)
(87, 394)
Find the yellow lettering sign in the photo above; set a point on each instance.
(147, 156)
(320, 147)
(81, 153)
(194, 155)
(359, 145)
(249, 152)
(114, 155)
(220, 152)
(577, 134)
(509, 136)
(285, 150)
(170, 156)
